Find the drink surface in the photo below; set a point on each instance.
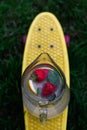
(45, 82)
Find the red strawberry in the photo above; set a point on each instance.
(40, 74)
(48, 89)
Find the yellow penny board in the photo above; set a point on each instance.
(46, 35)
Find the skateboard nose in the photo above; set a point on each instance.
(45, 34)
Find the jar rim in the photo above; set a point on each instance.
(35, 98)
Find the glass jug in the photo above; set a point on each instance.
(44, 88)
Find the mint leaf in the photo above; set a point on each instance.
(53, 77)
(38, 91)
(52, 97)
(33, 77)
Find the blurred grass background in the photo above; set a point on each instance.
(15, 19)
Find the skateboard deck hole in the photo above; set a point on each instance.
(39, 29)
(39, 46)
(51, 29)
(51, 46)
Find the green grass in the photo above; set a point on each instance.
(15, 19)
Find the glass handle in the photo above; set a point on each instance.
(43, 118)
(43, 109)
